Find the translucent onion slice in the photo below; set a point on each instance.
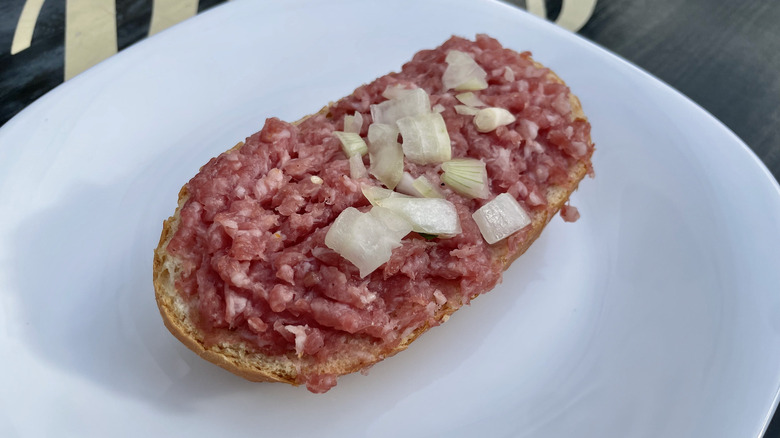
(438, 108)
(463, 73)
(406, 186)
(386, 156)
(425, 138)
(375, 194)
(426, 188)
(395, 91)
(466, 176)
(380, 134)
(352, 143)
(470, 99)
(387, 164)
(366, 239)
(466, 110)
(395, 225)
(357, 169)
(427, 215)
(406, 104)
(500, 218)
(488, 119)
(509, 74)
(353, 123)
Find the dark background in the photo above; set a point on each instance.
(725, 55)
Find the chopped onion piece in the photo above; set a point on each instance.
(466, 110)
(472, 84)
(385, 154)
(395, 91)
(316, 179)
(366, 239)
(387, 164)
(438, 108)
(425, 188)
(463, 73)
(500, 218)
(488, 119)
(509, 74)
(466, 176)
(408, 103)
(425, 138)
(353, 123)
(406, 186)
(427, 215)
(470, 99)
(375, 194)
(352, 143)
(357, 169)
(396, 226)
(380, 134)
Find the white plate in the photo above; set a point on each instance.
(655, 315)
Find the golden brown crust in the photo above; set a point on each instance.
(257, 367)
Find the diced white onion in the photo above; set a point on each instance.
(387, 164)
(426, 188)
(470, 99)
(352, 143)
(463, 73)
(395, 91)
(466, 176)
(386, 156)
(500, 218)
(316, 179)
(353, 123)
(395, 225)
(366, 239)
(438, 108)
(375, 194)
(509, 74)
(466, 110)
(425, 138)
(357, 169)
(300, 337)
(406, 186)
(380, 134)
(488, 119)
(408, 103)
(427, 215)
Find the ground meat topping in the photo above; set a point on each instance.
(251, 236)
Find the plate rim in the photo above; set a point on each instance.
(597, 50)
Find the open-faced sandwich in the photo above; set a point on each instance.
(318, 248)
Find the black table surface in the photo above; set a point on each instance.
(724, 55)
